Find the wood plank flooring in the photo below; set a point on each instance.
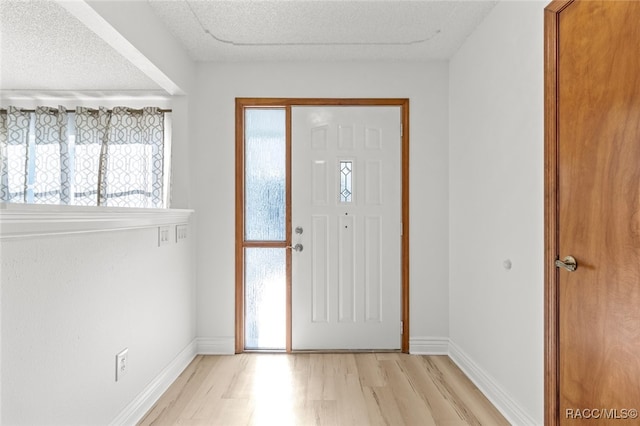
(323, 389)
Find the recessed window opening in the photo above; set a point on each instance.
(89, 157)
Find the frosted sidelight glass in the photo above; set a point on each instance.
(265, 298)
(265, 174)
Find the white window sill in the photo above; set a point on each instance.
(29, 220)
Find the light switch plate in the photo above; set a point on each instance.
(164, 237)
(122, 363)
(181, 232)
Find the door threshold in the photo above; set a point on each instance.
(346, 351)
(264, 351)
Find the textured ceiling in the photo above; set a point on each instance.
(43, 47)
(296, 30)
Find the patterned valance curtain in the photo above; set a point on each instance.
(50, 177)
(91, 135)
(132, 166)
(116, 158)
(14, 139)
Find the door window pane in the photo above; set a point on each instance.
(265, 298)
(346, 179)
(265, 169)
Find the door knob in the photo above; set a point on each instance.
(299, 230)
(298, 247)
(569, 263)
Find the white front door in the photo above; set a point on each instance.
(346, 215)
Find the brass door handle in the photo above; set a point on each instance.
(569, 263)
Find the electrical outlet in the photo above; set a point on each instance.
(181, 233)
(122, 363)
(164, 235)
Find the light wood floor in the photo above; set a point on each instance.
(323, 389)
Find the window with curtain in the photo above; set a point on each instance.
(90, 157)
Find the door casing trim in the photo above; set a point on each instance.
(288, 103)
(551, 214)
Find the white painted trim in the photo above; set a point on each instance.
(30, 99)
(216, 345)
(429, 345)
(29, 220)
(142, 403)
(500, 398)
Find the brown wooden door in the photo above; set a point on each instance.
(593, 212)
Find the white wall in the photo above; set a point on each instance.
(496, 201)
(213, 160)
(70, 303)
(178, 273)
(180, 152)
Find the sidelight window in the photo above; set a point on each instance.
(265, 212)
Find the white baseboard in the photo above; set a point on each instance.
(509, 408)
(429, 345)
(142, 403)
(216, 345)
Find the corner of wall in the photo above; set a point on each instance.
(429, 346)
(495, 208)
(216, 345)
(493, 390)
(142, 403)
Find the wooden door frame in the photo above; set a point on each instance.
(288, 103)
(551, 213)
